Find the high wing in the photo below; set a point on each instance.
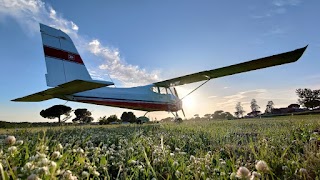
(278, 59)
(64, 89)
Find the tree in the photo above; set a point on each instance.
(309, 98)
(57, 111)
(112, 118)
(103, 120)
(254, 108)
(128, 117)
(167, 119)
(228, 115)
(196, 117)
(239, 110)
(269, 107)
(221, 115)
(83, 116)
(207, 116)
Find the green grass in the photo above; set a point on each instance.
(190, 150)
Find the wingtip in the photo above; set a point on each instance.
(305, 47)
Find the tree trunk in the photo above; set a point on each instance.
(59, 119)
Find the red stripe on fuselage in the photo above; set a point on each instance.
(144, 106)
(61, 54)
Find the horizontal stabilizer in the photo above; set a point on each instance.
(72, 87)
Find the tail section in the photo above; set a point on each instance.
(63, 61)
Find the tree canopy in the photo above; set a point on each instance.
(269, 107)
(110, 119)
(128, 117)
(309, 98)
(221, 115)
(57, 111)
(239, 110)
(83, 116)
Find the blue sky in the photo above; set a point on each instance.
(149, 41)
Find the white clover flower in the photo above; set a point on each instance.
(208, 156)
(96, 173)
(67, 175)
(233, 176)
(79, 150)
(223, 163)
(55, 155)
(303, 171)
(19, 142)
(175, 164)
(177, 173)
(192, 158)
(43, 170)
(262, 166)
(44, 162)
(171, 154)
(53, 164)
(12, 149)
(33, 177)
(85, 174)
(243, 173)
(10, 140)
(28, 166)
(255, 176)
(285, 168)
(41, 155)
(132, 162)
(59, 147)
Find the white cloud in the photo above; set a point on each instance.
(129, 74)
(210, 97)
(74, 26)
(275, 31)
(278, 7)
(30, 12)
(281, 3)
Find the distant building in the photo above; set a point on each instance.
(290, 109)
(294, 106)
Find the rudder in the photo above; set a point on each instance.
(64, 64)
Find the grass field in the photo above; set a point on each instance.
(273, 148)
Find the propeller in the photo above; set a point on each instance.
(176, 93)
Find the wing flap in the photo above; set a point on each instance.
(275, 60)
(61, 90)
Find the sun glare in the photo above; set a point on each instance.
(188, 102)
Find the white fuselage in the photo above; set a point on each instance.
(146, 98)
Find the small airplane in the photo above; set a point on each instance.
(70, 79)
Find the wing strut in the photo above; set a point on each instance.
(195, 88)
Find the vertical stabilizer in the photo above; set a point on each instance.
(64, 64)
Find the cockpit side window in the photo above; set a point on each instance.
(162, 90)
(155, 89)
